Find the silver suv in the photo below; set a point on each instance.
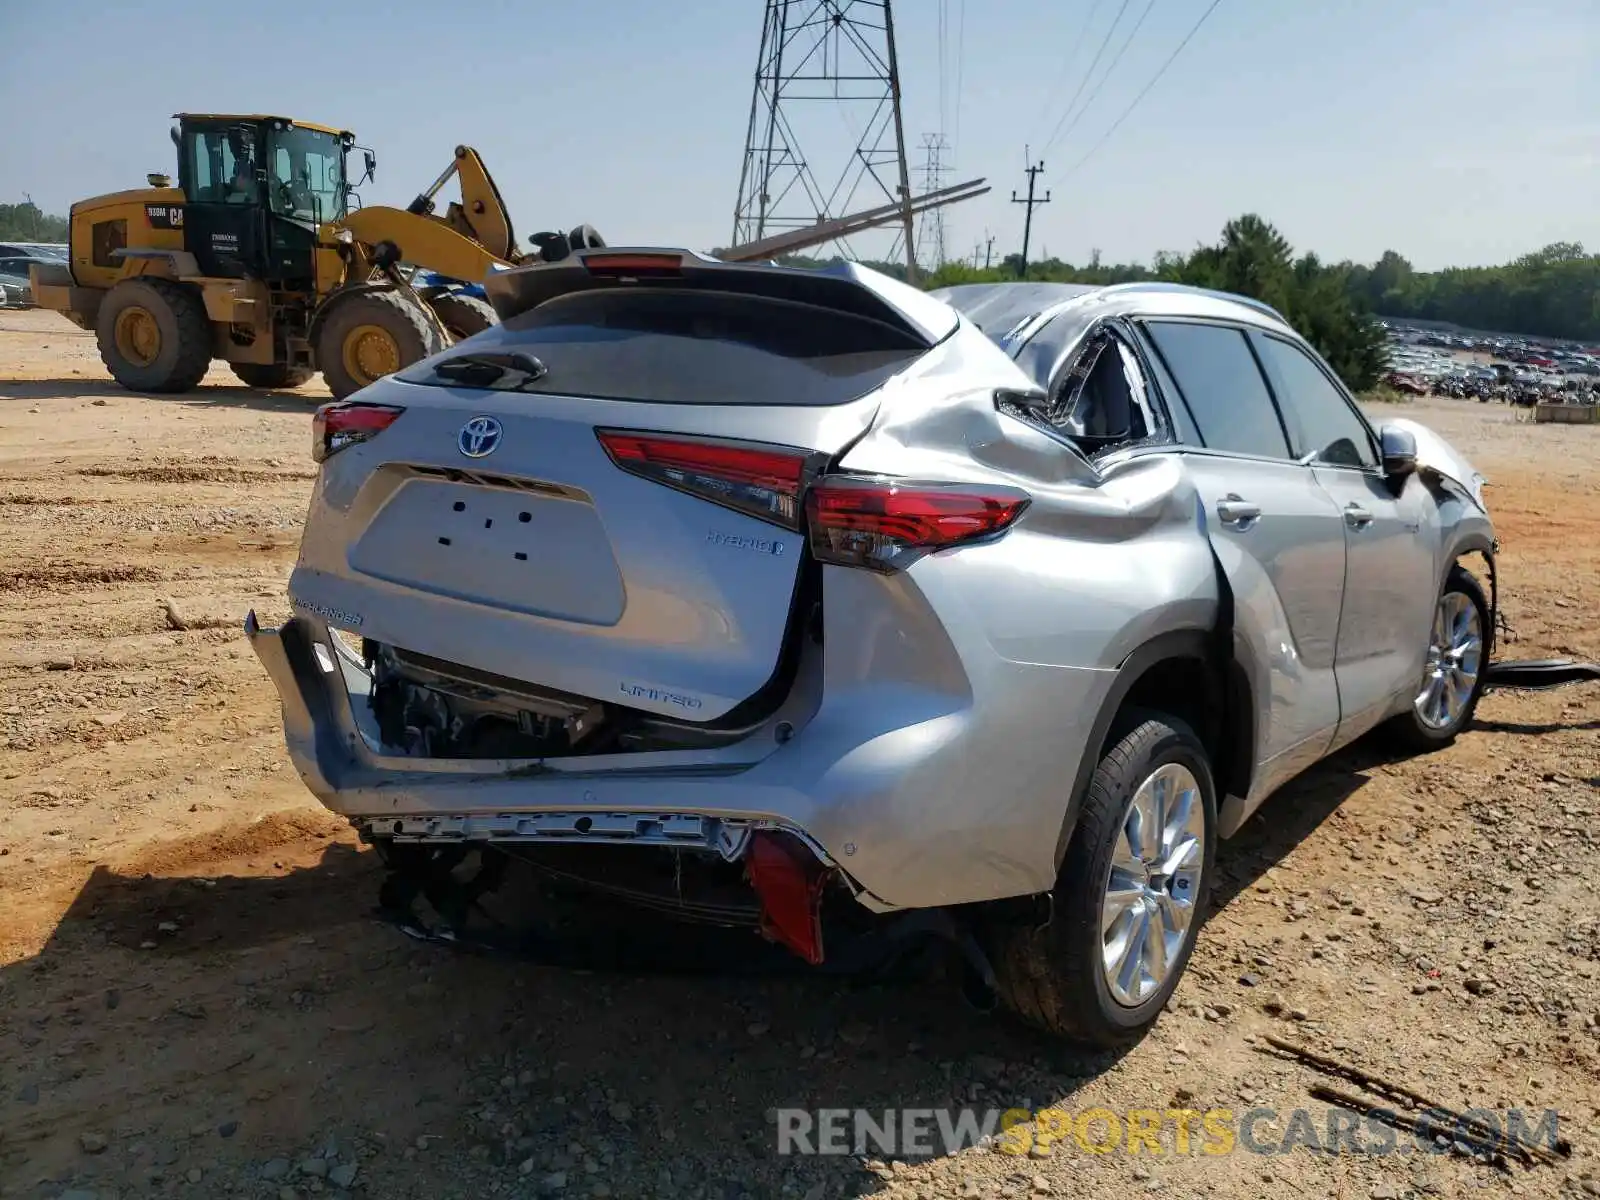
(813, 603)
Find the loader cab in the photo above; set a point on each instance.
(256, 189)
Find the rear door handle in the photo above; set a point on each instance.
(1235, 510)
(1356, 517)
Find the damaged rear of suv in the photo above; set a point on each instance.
(795, 600)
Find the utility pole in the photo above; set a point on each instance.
(1027, 221)
(988, 249)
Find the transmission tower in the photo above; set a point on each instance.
(930, 224)
(823, 62)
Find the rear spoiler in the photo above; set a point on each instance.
(843, 287)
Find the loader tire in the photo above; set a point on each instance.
(463, 315)
(270, 375)
(154, 336)
(372, 334)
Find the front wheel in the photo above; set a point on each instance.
(370, 334)
(1129, 900)
(1453, 672)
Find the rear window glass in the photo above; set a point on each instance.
(683, 346)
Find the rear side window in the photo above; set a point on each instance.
(1219, 379)
(687, 346)
(1182, 422)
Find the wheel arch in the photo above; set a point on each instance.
(1478, 542)
(1194, 676)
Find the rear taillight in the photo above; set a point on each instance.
(762, 481)
(886, 524)
(344, 423)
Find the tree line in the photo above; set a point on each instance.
(1554, 292)
(26, 222)
(1251, 259)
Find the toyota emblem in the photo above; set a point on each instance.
(479, 437)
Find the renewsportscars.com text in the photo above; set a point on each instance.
(923, 1132)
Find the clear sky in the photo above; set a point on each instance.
(1455, 131)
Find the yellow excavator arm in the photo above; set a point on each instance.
(465, 242)
(426, 242)
(481, 215)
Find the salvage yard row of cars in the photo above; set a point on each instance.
(16, 289)
(808, 601)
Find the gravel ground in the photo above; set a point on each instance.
(195, 1001)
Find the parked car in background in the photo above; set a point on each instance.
(15, 259)
(15, 290)
(809, 601)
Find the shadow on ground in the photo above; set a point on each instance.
(210, 395)
(203, 1026)
(1291, 816)
(1525, 729)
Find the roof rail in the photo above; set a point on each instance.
(1158, 285)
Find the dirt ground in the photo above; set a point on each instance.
(196, 1001)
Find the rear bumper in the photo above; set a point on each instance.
(946, 809)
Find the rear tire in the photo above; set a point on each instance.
(372, 334)
(154, 335)
(463, 315)
(271, 375)
(1057, 977)
(1459, 659)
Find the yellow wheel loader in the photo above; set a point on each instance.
(259, 258)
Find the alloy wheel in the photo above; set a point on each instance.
(1455, 657)
(1153, 885)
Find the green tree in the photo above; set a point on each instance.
(26, 222)
(1251, 259)
(1554, 292)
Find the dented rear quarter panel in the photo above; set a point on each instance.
(1023, 637)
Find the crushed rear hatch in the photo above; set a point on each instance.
(600, 497)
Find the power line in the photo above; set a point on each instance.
(1104, 42)
(1154, 79)
(1110, 70)
(961, 59)
(1066, 67)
